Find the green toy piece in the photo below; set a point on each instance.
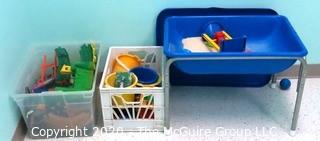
(83, 71)
(62, 59)
(123, 79)
(82, 81)
(86, 53)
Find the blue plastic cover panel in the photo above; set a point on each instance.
(267, 36)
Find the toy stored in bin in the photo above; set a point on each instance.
(123, 79)
(221, 41)
(211, 42)
(44, 82)
(155, 84)
(62, 58)
(145, 75)
(66, 69)
(62, 71)
(125, 62)
(110, 82)
(82, 81)
(83, 71)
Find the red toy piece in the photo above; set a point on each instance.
(44, 79)
(45, 67)
(219, 37)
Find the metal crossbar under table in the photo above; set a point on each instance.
(299, 90)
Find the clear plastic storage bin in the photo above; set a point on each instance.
(54, 110)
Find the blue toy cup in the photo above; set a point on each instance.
(145, 75)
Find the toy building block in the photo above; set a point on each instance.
(219, 37)
(62, 59)
(66, 69)
(86, 53)
(82, 81)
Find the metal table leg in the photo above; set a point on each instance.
(300, 87)
(273, 83)
(167, 92)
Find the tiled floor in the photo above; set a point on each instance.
(235, 114)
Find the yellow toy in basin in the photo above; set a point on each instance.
(211, 42)
(109, 82)
(125, 62)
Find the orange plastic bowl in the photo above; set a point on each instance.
(125, 62)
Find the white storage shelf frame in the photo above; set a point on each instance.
(133, 121)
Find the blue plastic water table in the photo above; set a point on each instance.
(267, 36)
(273, 47)
(234, 80)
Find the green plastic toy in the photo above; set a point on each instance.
(83, 71)
(62, 59)
(123, 79)
(86, 53)
(82, 81)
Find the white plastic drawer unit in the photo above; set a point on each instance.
(133, 108)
